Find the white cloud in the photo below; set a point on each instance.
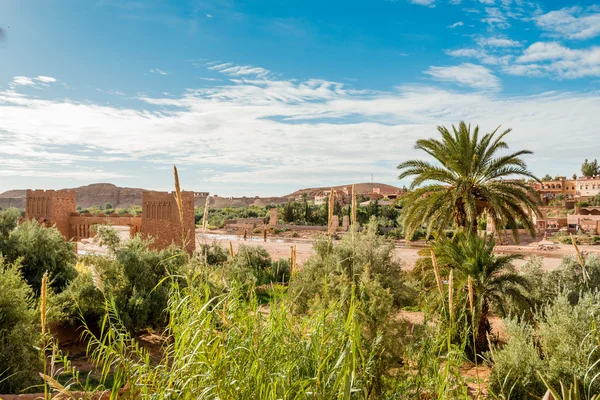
(482, 55)
(306, 132)
(498, 42)
(495, 18)
(240, 70)
(33, 82)
(158, 71)
(571, 23)
(428, 3)
(22, 81)
(456, 24)
(489, 2)
(46, 79)
(209, 15)
(466, 74)
(557, 61)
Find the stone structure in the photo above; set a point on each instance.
(51, 207)
(273, 216)
(159, 219)
(585, 218)
(345, 223)
(561, 185)
(588, 186)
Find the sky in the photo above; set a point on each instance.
(265, 97)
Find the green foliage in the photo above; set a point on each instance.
(131, 277)
(18, 330)
(81, 299)
(8, 222)
(563, 345)
(346, 262)
(495, 282)
(41, 250)
(470, 181)
(249, 354)
(590, 168)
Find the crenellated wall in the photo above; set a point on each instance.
(51, 207)
(81, 224)
(160, 219)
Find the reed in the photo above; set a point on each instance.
(354, 206)
(179, 202)
(205, 217)
(331, 206)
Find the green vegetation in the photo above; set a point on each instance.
(37, 249)
(472, 180)
(242, 325)
(18, 330)
(590, 168)
(304, 213)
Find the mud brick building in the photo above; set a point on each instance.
(159, 219)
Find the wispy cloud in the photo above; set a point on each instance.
(240, 70)
(427, 3)
(571, 23)
(209, 15)
(554, 60)
(466, 74)
(498, 42)
(158, 71)
(456, 24)
(31, 81)
(222, 128)
(495, 18)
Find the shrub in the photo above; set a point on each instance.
(346, 262)
(213, 254)
(18, 330)
(561, 347)
(42, 249)
(80, 299)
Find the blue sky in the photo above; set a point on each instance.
(264, 97)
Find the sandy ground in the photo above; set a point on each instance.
(279, 247)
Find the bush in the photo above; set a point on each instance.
(213, 254)
(18, 331)
(80, 299)
(131, 278)
(346, 262)
(42, 250)
(561, 347)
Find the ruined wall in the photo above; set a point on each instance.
(160, 219)
(52, 207)
(81, 224)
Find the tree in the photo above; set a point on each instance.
(590, 168)
(547, 177)
(495, 281)
(470, 181)
(41, 250)
(18, 331)
(108, 206)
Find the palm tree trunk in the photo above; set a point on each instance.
(482, 329)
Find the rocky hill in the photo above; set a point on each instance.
(98, 194)
(360, 188)
(87, 196)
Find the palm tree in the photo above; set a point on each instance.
(469, 182)
(495, 282)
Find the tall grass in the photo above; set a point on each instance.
(227, 347)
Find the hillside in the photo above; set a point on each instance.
(87, 196)
(98, 194)
(361, 188)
